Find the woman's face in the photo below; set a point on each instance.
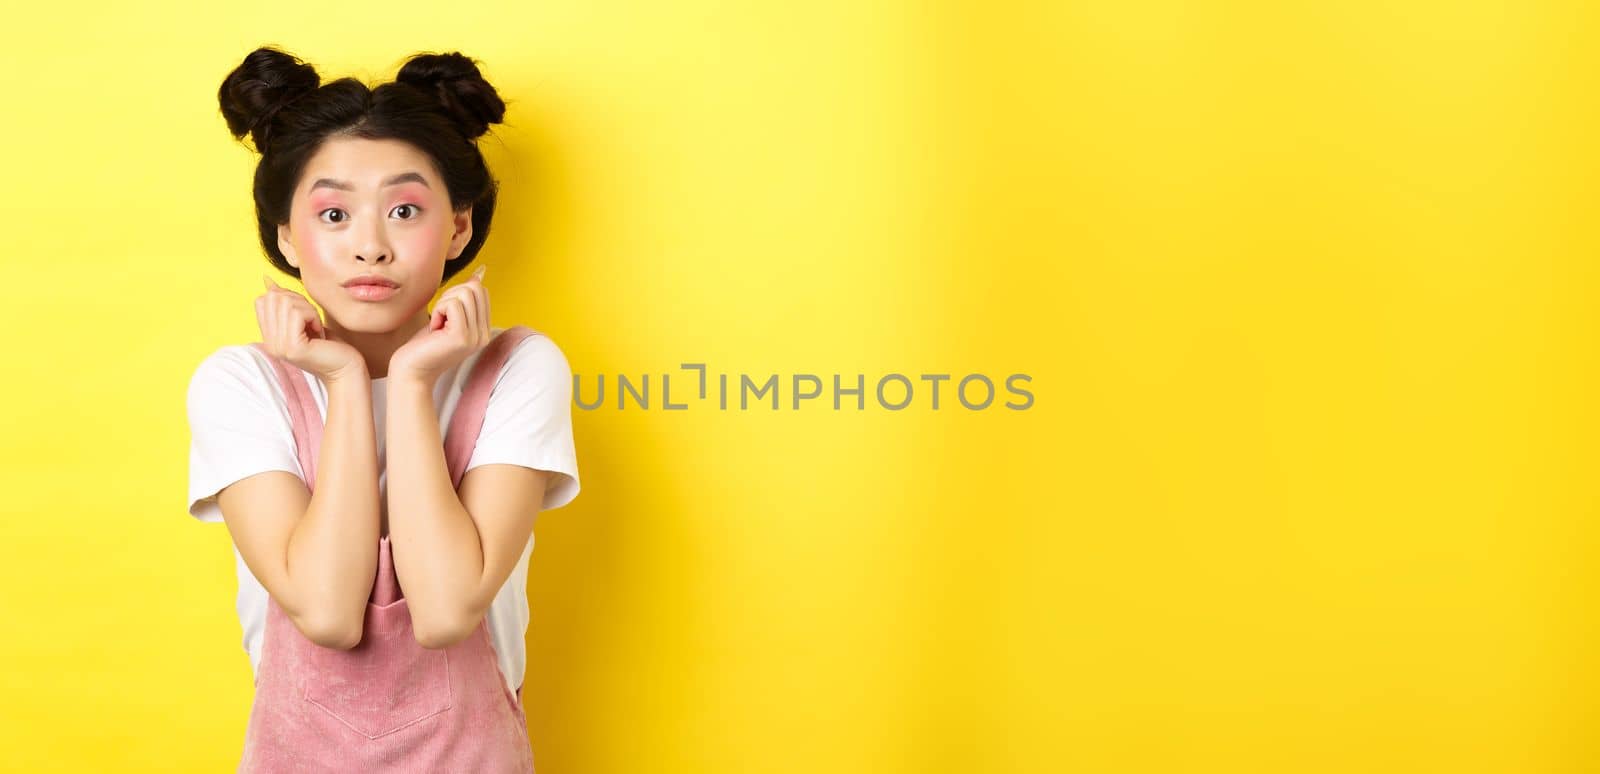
(372, 207)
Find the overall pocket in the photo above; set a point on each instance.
(385, 683)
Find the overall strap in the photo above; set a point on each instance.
(304, 417)
(467, 420)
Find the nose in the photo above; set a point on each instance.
(372, 245)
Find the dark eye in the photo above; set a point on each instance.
(413, 207)
(331, 209)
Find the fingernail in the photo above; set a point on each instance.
(265, 280)
(481, 270)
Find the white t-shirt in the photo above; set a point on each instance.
(239, 426)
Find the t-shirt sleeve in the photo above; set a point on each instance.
(528, 420)
(238, 427)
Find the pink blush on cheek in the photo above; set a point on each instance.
(313, 253)
(427, 239)
(431, 233)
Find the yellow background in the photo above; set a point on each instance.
(1306, 293)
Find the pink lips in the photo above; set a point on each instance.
(372, 292)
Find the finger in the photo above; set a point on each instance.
(451, 292)
(481, 298)
(261, 319)
(280, 318)
(471, 296)
(313, 318)
(269, 326)
(445, 295)
(309, 314)
(294, 325)
(299, 323)
(459, 323)
(314, 327)
(449, 313)
(475, 278)
(469, 316)
(469, 305)
(319, 328)
(287, 319)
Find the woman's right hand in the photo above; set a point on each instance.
(292, 331)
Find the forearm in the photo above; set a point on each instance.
(438, 552)
(333, 551)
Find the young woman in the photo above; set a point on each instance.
(379, 465)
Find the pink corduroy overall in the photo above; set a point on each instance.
(388, 704)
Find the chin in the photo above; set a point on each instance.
(371, 318)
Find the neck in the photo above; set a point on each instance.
(377, 347)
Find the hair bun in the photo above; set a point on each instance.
(453, 79)
(265, 82)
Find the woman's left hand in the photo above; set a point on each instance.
(457, 327)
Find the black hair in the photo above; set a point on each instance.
(439, 103)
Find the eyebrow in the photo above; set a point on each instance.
(403, 177)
